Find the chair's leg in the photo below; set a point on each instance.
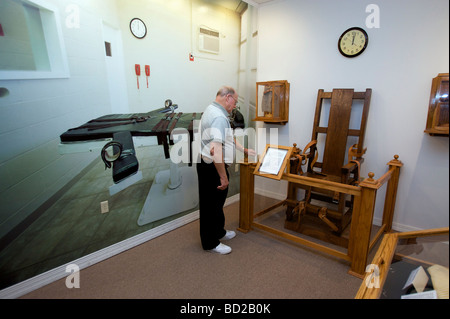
(301, 208)
(291, 195)
(336, 197)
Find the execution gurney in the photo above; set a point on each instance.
(173, 191)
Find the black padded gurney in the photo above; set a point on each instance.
(154, 123)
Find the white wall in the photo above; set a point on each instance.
(298, 43)
(173, 34)
(36, 112)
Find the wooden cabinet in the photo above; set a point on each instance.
(272, 102)
(438, 118)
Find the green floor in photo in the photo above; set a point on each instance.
(74, 225)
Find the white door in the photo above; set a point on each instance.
(115, 70)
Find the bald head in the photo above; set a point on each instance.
(225, 90)
(227, 97)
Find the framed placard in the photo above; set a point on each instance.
(273, 161)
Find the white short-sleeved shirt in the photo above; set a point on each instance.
(215, 127)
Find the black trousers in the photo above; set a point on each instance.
(211, 201)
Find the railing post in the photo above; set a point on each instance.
(359, 242)
(247, 193)
(391, 193)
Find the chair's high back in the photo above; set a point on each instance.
(338, 130)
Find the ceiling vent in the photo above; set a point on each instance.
(209, 41)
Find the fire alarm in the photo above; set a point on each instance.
(191, 57)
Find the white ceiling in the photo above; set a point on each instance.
(234, 5)
(258, 2)
(238, 5)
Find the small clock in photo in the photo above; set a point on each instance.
(138, 28)
(353, 42)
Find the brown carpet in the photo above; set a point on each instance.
(175, 266)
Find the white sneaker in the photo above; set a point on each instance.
(229, 235)
(221, 249)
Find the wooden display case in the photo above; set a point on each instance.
(398, 255)
(438, 117)
(272, 102)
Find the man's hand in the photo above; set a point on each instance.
(250, 152)
(223, 183)
(216, 152)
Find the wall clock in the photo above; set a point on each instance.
(353, 42)
(138, 28)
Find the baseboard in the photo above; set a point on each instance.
(57, 273)
(270, 194)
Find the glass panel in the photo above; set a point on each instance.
(265, 98)
(429, 252)
(424, 251)
(277, 102)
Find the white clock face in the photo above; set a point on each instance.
(138, 28)
(353, 42)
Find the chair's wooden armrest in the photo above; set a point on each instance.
(349, 167)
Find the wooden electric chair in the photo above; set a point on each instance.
(325, 214)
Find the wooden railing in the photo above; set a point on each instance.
(383, 259)
(364, 194)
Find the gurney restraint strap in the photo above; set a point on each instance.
(105, 123)
(174, 122)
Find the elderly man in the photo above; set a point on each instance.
(217, 152)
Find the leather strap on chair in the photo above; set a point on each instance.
(304, 156)
(296, 154)
(308, 146)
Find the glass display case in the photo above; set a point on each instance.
(438, 114)
(272, 102)
(409, 265)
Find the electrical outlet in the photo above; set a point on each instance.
(104, 207)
